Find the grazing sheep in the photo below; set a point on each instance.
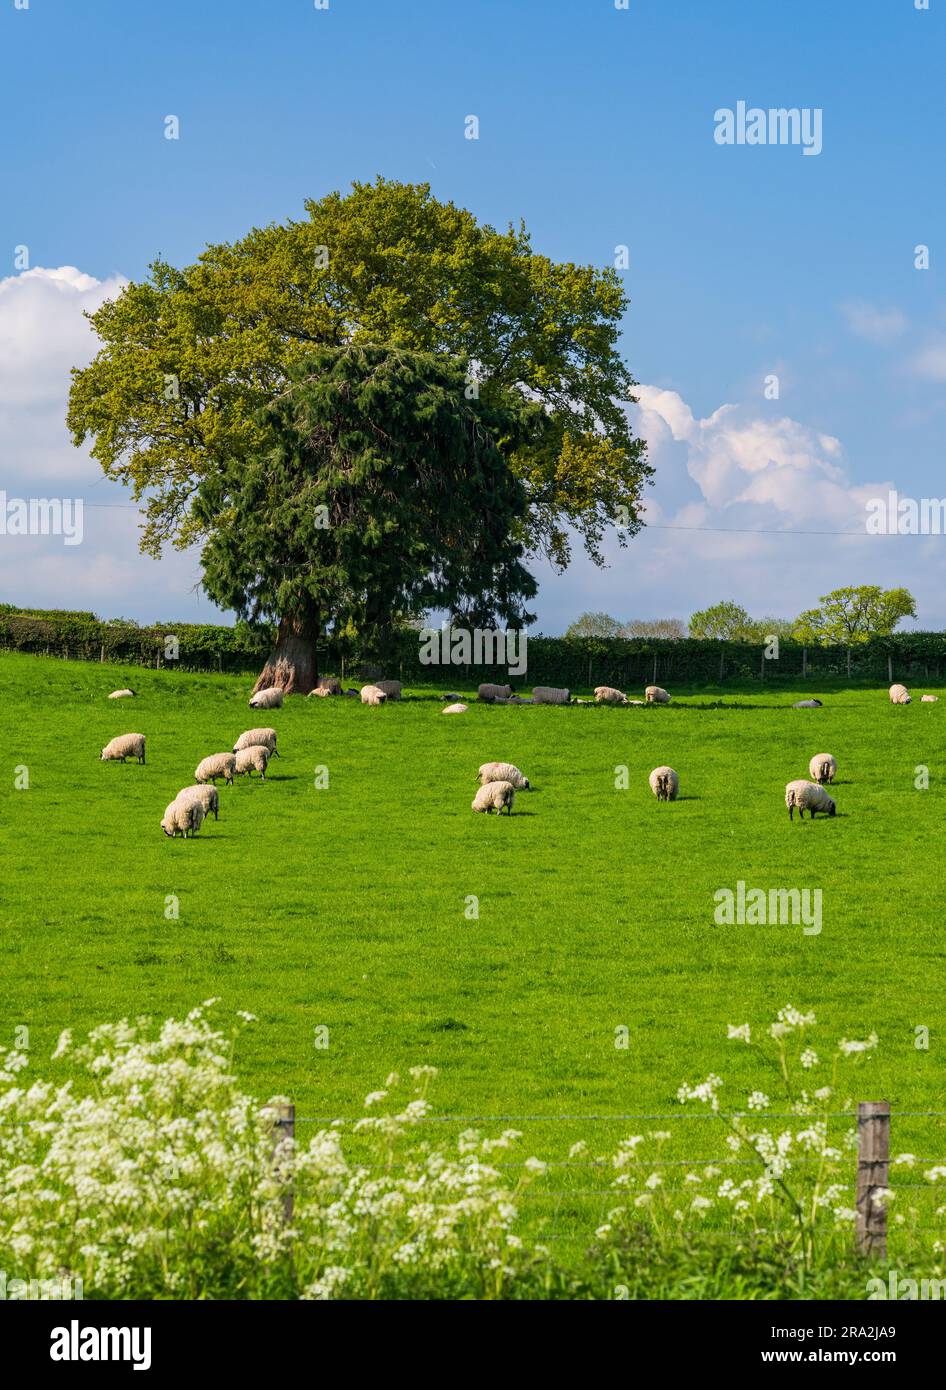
(208, 796)
(807, 796)
(656, 695)
(822, 768)
(328, 685)
(390, 688)
(181, 817)
(549, 695)
(929, 699)
(459, 708)
(664, 783)
(120, 694)
(607, 695)
(492, 693)
(214, 766)
(254, 759)
(899, 695)
(252, 738)
(494, 796)
(807, 704)
(270, 698)
(122, 747)
(504, 772)
(371, 695)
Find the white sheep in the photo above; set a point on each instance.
(899, 695)
(459, 708)
(807, 796)
(494, 796)
(252, 738)
(328, 685)
(181, 817)
(822, 768)
(491, 693)
(656, 695)
(208, 796)
(664, 783)
(504, 772)
(270, 698)
(549, 695)
(122, 747)
(607, 695)
(253, 759)
(214, 766)
(929, 699)
(390, 688)
(120, 694)
(371, 695)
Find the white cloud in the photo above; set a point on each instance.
(876, 325)
(930, 361)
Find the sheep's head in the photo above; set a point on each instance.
(167, 832)
(832, 810)
(526, 784)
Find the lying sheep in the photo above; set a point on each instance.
(459, 708)
(807, 796)
(253, 759)
(181, 817)
(491, 693)
(450, 695)
(371, 695)
(807, 704)
(607, 695)
(390, 688)
(208, 796)
(270, 698)
(899, 695)
(328, 685)
(656, 695)
(518, 700)
(214, 766)
(494, 796)
(549, 695)
(664, 783)
(122, 747)
(120, 694)
(822, 768)
(252, 738)
(504, 772)
(929, 699)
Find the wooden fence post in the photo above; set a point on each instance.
(285, 1128)
(804, 663)
(890, 667)
(873, 1166)
(655, 669)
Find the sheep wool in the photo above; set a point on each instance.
(270, 698)
(664, 783)
(607, 695)
(253, 759)
(459, 708)
(124, 746)
(822, 768)
(929, 699)
(656, 695)
(549, 695)
(492, 693)
(371, 695)
(328, 685)
(390, 688)
(254, 737)
(494, 796)
(181, 817)
(807, 796)
(899, 695)
(214, 766)
(504, 772)
(208, 796)
(120, 694)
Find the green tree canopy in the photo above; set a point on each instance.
(855, 614)
(594, 625)
(725, 621)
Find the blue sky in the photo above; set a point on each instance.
(596, 127)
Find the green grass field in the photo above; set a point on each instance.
(345, 907)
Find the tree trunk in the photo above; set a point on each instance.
(292, 665)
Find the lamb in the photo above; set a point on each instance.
(371, 695)
(807, 796)
(252, 759)
(270, 698)
(494, 796)
(504, 772)
(214, 766)
(390, 688)
(899, 695)
(181, 817)
(252, 738)
(656, 695)
(122, 747)
(328, 685)
(807, 704)
(120, 694)
(491, 693)
(664, 783)
(929, 699)
(549, 695)
(208, 797)
(459, 708)
(822, 768)
(607, 695)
